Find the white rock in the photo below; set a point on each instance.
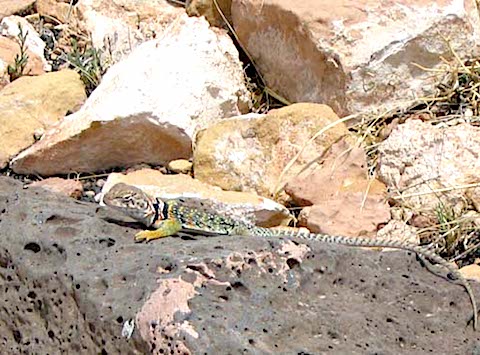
(148, 107)
(118, 27)
(419, 159)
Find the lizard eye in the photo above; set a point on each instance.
(127, 198)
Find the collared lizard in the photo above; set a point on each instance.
(167, 218)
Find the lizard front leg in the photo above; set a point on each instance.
(165, 228)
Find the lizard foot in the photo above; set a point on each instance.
(148, 236)
(165, 228)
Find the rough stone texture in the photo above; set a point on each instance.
(10, 7)
(420, 158)
(9, 27)
(71, 275)
(354, 55)
(345, 201)
(148, 107)
(208, 9)
(249, 153)
(118, 27)
(471, 272)
(241, 205)
(67, 187)
(59, 9)
(180, 166)
(399, 230)
(32, 103)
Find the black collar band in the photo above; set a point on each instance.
(156, 206)
(159, 215)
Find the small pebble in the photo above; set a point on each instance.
(180, 166)
(100, 183)
(98, 197)
(89, 194)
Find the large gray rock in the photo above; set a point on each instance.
(71, 277)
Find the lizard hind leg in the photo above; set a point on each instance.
(165, 228)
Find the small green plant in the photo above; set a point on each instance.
(457, 233)
(87, 63)
(448, 226)
(17, 70)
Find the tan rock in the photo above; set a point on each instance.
(180, 166)
(10, 7)
(67, 187)
(32, 103)
(249, 153)
(146, 110)
(471, 272)
(239, 205)
(419, 159)
(344, 200)
(354, 56)
(58, 9)
(208, 9)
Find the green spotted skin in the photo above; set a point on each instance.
(193, 219)
(170, 217)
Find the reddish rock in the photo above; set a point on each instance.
(345, 201)
(67, 187)
(354, 55)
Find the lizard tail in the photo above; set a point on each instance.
(382, 243)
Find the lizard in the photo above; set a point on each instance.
(168, 217)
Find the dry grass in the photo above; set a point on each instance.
(456, 99)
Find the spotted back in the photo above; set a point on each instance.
(201, 220)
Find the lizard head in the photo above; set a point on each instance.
(133, 202)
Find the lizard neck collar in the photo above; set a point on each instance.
(161, 211)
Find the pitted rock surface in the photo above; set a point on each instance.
(71, 275)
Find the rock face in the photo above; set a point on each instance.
(147, 110)
(10, 7)
(249, 153)
(32, 103)
(118, 27)
(357, 55)
(67, 187)
(71, 277)
(345, 201)
(418, 159)
(208, 9)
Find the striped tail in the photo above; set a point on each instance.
(375, 243)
